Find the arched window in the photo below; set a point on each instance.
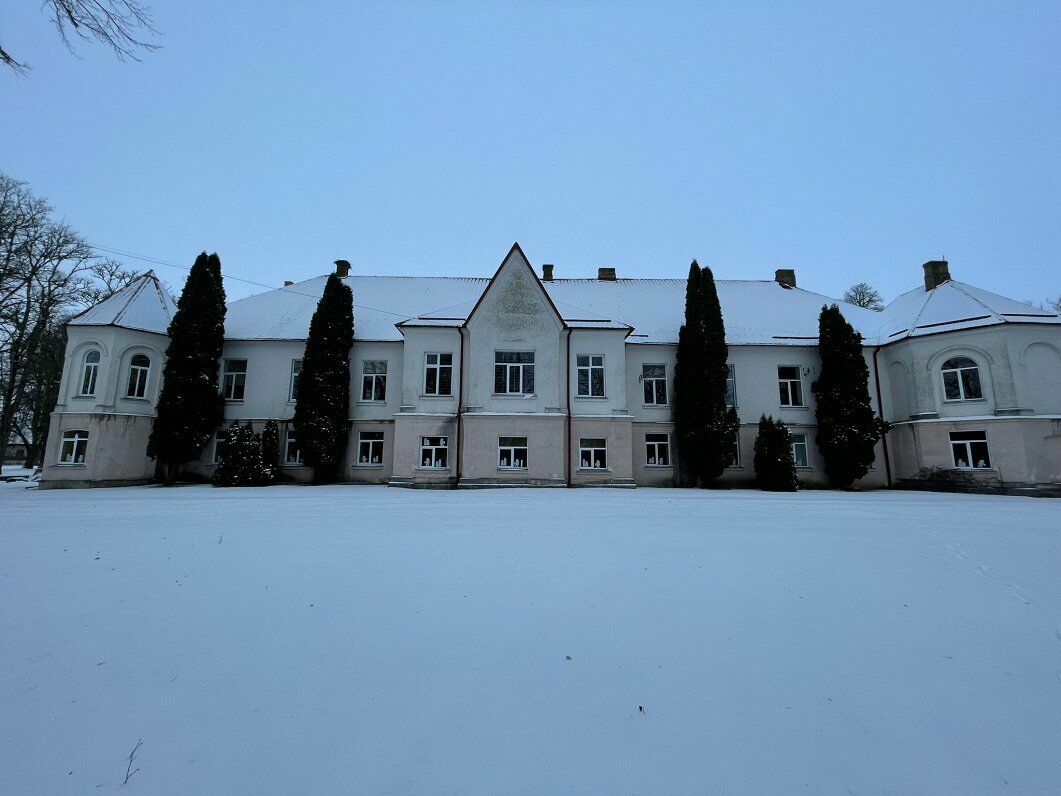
(89, 373)
(961, 379)
(139, 368)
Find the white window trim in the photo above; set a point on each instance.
(433, 448)
(370, 465)
(789, 382)
(225, 373)
(654, 446)
(731, 376)
(85, 367)
(525, 447)
(145, 371)
(961, 384)
(77, 438)
(582, 450)
(291, 397)
(967, 444)
(215, 451)
(806, 447)
(287, 442)
(508, 366)
(663, 378)
(438, 376)
(738, 465)
(589, 377)
(373, 376)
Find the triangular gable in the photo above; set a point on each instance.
(516, 259)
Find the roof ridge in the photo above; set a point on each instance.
(960, 288)
(143, 279)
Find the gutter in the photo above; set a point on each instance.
(460, 409)
(567, 397)
(880, 408)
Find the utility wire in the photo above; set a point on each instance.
(286, 288)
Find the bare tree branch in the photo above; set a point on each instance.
(864, 295)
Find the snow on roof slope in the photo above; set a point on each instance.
(142, 304)
(951, 306)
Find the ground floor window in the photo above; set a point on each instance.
(219, 445)
(593, 453)
(433, 452)
(657, 450)
(369, 448)
(512, 453)
(799, 450)
(734, 449)
(74, 447)
(969, 449)
(292, 452)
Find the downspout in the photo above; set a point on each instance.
(880, 408)
(567, 394)
(460, 409)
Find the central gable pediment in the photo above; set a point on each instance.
(514, 302)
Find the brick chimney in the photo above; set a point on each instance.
(547, 272)
(606, 274)
(936, 273)
(288, 283)
(342, 268)
(786, 277)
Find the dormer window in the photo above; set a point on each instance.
(961, 380)
(89, 372)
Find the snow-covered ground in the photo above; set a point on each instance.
(341, 639)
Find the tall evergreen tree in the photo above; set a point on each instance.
(322, 410)
(775, 470)
(241, 459)
(703, 424)
(848, 430)
(190, 407)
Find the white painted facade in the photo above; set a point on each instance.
(472, 434)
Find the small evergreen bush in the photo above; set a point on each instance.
(241, 459)
(775, 471)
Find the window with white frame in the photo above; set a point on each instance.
(731, 386)
(969, 449)
(734, 450)
(593, 453)
(654, 379)
(790, 384)
(74, 447)
(369, 448)
(234, 379)
(799, 450)
(139, 369)
(513, 372)
(296, 375)
(961, 380)
(590, 368)
(374, 380)
(219, 445)
(657, 450)
(438, 374)
(434, 452)
(89, 373)
(292, 452)
(512, 453)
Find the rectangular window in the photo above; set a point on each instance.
(438, 374)
(74, 447)
(374, 380)
(513, 372)
(790, 384)
(799, 450)
(292, 453)
(731, 386)
(219, 444)
(234, 379)
(512, 453)
(433, 452)
(969, 449)
(369, 448)
(734, 451)
(657, 450)
(139, 368)
(654, 378)
(593, 454)
(590, 368)
(296, 373)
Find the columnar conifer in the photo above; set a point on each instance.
(271, 449)
(322, 414)
(190, 406)
(775, 470)
(241, 459)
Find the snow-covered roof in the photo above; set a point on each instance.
(951, 306)
(142, 304)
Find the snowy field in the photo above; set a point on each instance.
(341, 639)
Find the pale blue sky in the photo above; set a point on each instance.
(848, 141)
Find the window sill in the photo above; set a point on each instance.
(80, 397)
(432, 470)
(233, 400)
(372, 403)
(70, 464)
(659, 466)
(799, 408)
(591, 397)
(965, 400)
(137, 398)
(655, 406)
(512, 469)
(368, 466)
(523, 395)
(804, 467)
(594, 469)
(293, 466)
(436, 397)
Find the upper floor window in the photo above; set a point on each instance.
(234, 379)
(512, 453)
(790, 384)
(89, 372)
(961, 379)
(657, 450)
(731, 386)
(374, 380)
(654, 378)
(590, 375)
(969, 449)
(438, 374)
(292, 452)
(292, 385)
(434, 452)
(74, 447)
(514, 372)
(593, 453)
(799, 450)
(139, 368)
(369, 448)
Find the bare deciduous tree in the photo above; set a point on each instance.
(864, 295)
(118, 24)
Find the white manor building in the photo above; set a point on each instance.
(525, 380)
